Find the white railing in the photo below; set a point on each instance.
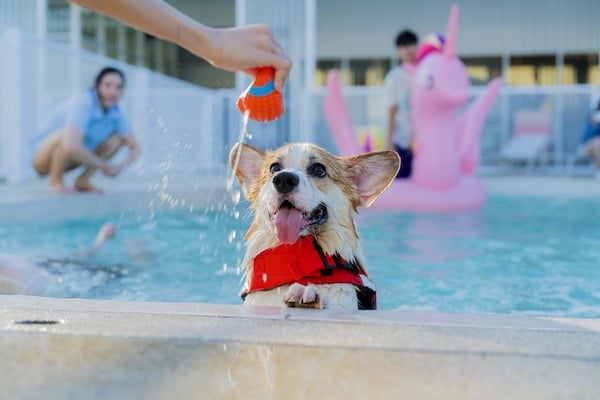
(568, 107)
(178, 124)
(19, 13)
(187, 129)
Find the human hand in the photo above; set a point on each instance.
(111, 170)
(247, 48)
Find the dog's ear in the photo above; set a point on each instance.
(246, 162)
(372, 173)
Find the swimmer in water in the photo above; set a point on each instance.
(17, 276)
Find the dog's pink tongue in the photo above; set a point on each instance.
(288, 222)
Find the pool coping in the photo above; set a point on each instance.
(198, 190)
(93, 317)
(457, 356)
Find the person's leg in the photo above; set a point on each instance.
(405, 162)
(43, 154)
(51, 159)
(106, 150)
(592, 149)
(20, 277)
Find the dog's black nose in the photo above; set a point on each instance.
(285, 182)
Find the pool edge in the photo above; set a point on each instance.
(467, 356)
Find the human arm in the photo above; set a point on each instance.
(391, 126)
(243, 48)
(391, 103)
(134, 150)
(72, 141)
(106, 231)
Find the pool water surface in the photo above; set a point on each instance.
(518, 255)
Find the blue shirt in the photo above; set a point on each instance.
(86, 113)
(591, 129)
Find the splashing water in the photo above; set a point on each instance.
(243, 134)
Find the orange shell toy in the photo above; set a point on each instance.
(261, 100)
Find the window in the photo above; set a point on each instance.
(89, 31)
(580, 69)
(532, 70)
(323, 68)
(357, 72)
(481, 70)
(369, 72)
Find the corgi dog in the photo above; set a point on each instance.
(302, 247)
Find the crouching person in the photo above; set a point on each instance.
(86, 131)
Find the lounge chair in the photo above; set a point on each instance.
(586, 164)
(531, 138)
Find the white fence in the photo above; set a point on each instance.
(567, 107)
(179, 125)
(183, 128)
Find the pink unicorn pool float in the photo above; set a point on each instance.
(446, 147)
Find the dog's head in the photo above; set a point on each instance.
(302, 189)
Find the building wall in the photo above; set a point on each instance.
(215, 13)
(358, 28)
(18, 13)
(530, 42)
(533, 42)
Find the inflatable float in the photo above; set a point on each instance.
(446, 144)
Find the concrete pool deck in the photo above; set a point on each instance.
(63, 349)
(72, 348)
(130, 193)
(129, 184)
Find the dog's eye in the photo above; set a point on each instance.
(318, 170)
(275, 167)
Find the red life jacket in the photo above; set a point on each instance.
(305, 262)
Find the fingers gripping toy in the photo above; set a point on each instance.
(261, 100)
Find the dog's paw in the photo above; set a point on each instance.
(294, 293)
(303, 296)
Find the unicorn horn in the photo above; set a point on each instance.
(451, 33)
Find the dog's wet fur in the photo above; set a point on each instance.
(302, 189)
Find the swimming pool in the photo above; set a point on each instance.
(519, 255)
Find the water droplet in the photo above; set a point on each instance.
(236, 195)
(232, 236)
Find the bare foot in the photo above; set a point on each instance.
(59, 188)
(83, 185)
